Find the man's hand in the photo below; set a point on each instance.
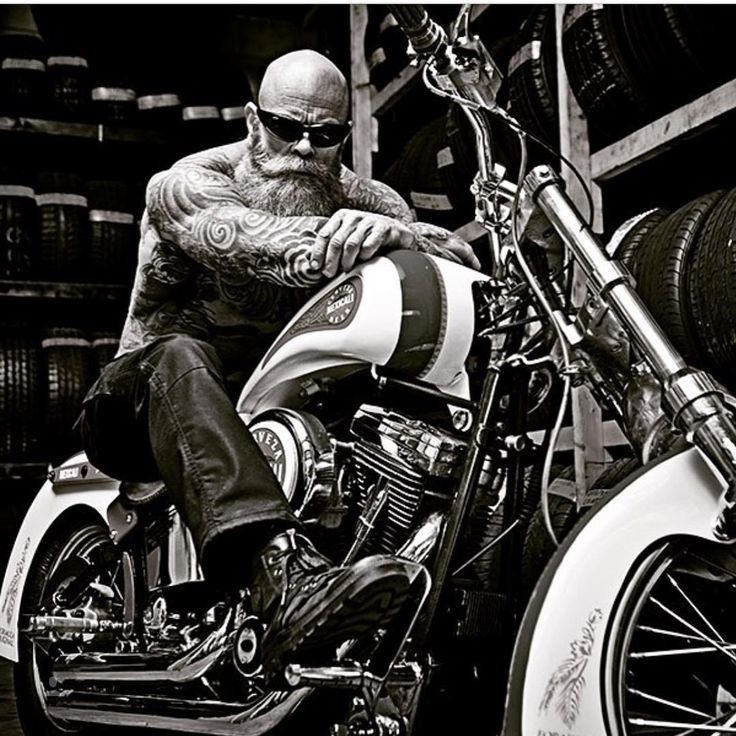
(440, 242)
(351, 236)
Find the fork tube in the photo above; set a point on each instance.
(609, 279)
(477, 449)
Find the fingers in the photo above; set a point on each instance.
(374, 240)
(350, 236)
(324, 235)
(354, 245)
(463, 251)
(350, 223)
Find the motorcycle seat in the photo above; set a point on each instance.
(135, 494)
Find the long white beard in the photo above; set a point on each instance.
(287, 185)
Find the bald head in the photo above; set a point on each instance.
(305, 82)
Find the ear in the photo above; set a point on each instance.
(251, 117)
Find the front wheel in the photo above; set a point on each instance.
(671, 662)
(68, 552)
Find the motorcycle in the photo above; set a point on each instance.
(396, 411)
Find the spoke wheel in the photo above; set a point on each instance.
(671, 662)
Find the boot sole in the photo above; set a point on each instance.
(365, 601)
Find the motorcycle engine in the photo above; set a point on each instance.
(410, 462)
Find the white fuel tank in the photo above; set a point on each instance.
(408, 311)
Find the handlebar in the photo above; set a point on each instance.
(426, 37)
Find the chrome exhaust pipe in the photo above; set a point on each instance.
(107, 674)
(189, 667)
(213, 718)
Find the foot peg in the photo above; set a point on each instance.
(333, 677)
(403, 674)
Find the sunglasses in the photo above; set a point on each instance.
(322, 135)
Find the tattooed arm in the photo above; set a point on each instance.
(197, 206)
(351, 234)
(370, 195)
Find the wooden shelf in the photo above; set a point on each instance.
(471, 231)
(394, 90)
(386, 98)
(612, 437)
(89, 131)
(60, 290)
(651, 140)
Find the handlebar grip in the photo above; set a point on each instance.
(425, 36)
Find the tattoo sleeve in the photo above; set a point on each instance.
(199, 209)
(374, 196)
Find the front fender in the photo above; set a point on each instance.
(569, 611)
(52, 501)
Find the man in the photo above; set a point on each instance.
(233, 241)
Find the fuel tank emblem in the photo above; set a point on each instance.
(333, 311)
(340, 303)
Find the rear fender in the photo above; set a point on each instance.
(76, 488)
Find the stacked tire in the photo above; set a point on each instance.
(564, 514)
(532, 76)
(627, 64)
(385, 46)
(67, 360)
(435, 170)
(685, 268)
(20, 394)
(112, 233)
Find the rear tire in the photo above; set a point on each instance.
(70, 541)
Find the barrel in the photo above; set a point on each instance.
(112, 232)
(20, 394)
(17, 225)
(63, 212)
(67, 360)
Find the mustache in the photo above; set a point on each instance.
(286, 164)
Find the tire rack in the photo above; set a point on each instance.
(590, 435)
(11, 291)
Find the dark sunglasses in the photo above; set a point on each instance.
(322, 135)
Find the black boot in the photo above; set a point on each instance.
(308, 602)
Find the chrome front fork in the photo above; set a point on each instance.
(692, 400)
